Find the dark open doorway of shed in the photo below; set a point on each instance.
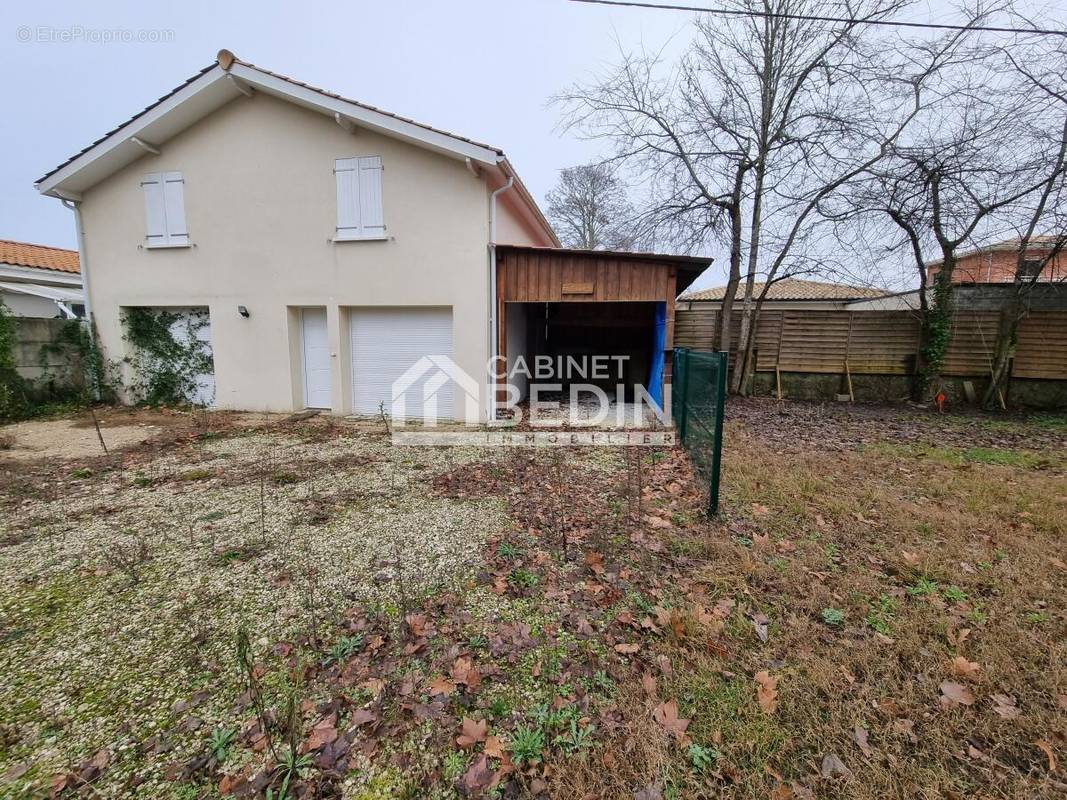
(584, 330)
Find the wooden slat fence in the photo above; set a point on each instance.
(882, 342)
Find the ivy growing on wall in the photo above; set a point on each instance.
(935, 335)
(166, 354)
(14, 391)
(100, 374)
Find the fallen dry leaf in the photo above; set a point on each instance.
(666, 714)
(494, 748)
(416, 623)
(648, 683)
(834, 767)
(472, 732)
(1046, 748)
(766, 691)
(595, 562)
(1004, 705)
(962, 668)
(678, 624)
(627, 648)
(478, 776)
(664, 665)
(464, 672)
(709, 620)
(957, 638)
(954, 694)
(323, 734)
(441, 686)
(761, 623)
(860, 737)
(374, 686)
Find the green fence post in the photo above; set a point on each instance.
(683, 390)
(716, 456)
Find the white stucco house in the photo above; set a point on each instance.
(329, 245)
(40, 281)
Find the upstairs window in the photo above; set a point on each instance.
(1031, 268)
(164, 202)
(359, 198)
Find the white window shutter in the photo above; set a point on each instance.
(346, 171)
(174, 205)
(370, 196)
(164, 202)
(155, 214)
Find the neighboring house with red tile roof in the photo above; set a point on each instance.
(996, 263)
(791, 293)
(40, 281)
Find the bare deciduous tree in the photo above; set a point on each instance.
(977, 161)
(589, 209)
(740, 142)
(1041, 66)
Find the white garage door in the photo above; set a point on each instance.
(386, 343)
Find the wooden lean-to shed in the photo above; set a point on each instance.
(563, 302)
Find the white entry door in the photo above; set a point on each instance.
(386, 343)
(316, 358)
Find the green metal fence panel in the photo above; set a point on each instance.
(698, 401)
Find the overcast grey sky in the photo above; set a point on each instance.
(481, 68)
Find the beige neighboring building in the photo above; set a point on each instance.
(328, 245)
(40, 281)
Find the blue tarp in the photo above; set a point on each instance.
(655, 373)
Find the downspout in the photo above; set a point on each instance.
(492, 295)
(83, 260)
(83, 269)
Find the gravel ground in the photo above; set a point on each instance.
(123, 591)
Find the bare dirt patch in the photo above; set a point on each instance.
(794, 426)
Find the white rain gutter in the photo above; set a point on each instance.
(492, 296)
(83, 259)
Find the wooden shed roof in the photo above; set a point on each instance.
(694, 262)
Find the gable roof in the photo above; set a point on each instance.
(230, 78)
(38, 256)
(792, 289)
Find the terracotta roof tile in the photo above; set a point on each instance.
(38, 256)
(793, 289)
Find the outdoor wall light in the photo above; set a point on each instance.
(243, 311)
